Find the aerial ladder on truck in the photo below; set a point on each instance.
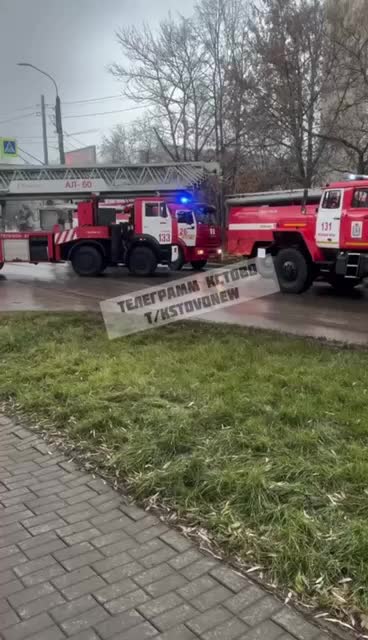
(95, 241)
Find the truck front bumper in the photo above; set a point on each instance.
(206, 253)
(351, 264)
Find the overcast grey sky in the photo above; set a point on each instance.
(73, 40)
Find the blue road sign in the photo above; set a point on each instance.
(8, 147)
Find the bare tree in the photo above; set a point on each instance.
(269, 89)
(167, 71)
(116, 147)
(346, 112)
(133, 143)
(290, 65)
(223, 25)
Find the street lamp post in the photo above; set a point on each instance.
(58, 120)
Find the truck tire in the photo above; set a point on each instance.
(343, 285)
(142, 261)
(1, 265)
(88, 261)
(198, 265)
(293, 271)
(178, 264)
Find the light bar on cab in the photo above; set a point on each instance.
(354, 177)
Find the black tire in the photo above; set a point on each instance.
(142, 261)
(178, 264)
(1, 265)
(88, 261)
(198, 265)
(293, 271)
(343, 285)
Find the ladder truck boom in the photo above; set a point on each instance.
(106, 180)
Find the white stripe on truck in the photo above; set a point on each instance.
(264, 226)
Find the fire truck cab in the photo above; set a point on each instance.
(199, 234)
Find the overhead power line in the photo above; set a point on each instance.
(67, 102)
(102, 113)
(72, 145)
(27, 115)
(67, 135)
(70, 135)
(38, 142)
(31, 107)
(88, 100)
(30, 155)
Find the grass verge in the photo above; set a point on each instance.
(261, 438)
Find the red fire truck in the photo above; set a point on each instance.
(199, 234)
(147, 238)
(308, 242)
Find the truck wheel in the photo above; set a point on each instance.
(1, 265)
(142, 261)
(198, 265)
(293, 271)
(88, 261)
(343, 285)
(178, 264)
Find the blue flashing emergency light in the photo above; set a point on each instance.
(184, 199)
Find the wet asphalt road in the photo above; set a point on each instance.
(319, 313)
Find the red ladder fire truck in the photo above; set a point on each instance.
(149, 237)
(307, 241)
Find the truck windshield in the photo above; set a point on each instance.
(205, 214)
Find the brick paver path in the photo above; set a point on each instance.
(77, 561)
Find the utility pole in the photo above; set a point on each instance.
(59, 129)
(44, 131)
(58, 121)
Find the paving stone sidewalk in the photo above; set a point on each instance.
(77, 561)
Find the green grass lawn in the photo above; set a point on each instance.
(260, 437)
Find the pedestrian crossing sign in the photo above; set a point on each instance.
(8, 148)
